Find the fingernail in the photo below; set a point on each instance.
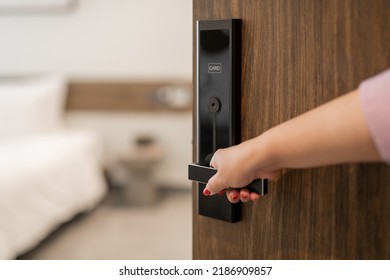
(244, 196)
(206, 192)
(221, 193)
(235, 196)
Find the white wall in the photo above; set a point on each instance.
(120, 39)
(127, 40)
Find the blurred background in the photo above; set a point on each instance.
(95, 129)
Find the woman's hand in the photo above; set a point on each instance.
(237, 167)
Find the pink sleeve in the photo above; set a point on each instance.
(374, 95)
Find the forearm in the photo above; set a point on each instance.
(335, 132)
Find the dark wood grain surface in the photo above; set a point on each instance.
(297, 55)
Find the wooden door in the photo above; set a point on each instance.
(296, 55)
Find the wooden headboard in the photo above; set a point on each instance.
(128, 96)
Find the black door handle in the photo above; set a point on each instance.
(202, 174)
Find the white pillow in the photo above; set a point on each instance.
(32, 106)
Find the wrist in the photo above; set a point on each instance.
(264, 153)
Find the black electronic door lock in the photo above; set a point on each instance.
(218, 109)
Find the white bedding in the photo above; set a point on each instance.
(45, 180)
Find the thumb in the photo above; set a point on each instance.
(214, 185)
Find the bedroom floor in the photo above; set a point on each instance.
(162, 231)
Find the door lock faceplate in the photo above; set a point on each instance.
(218, 105)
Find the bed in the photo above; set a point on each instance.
(48, 173)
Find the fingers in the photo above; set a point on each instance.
(221, 193)
(242, 195)
(233, 196)
(254, 196)
(214, 185)
(214, 160)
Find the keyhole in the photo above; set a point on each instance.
(214, 105)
